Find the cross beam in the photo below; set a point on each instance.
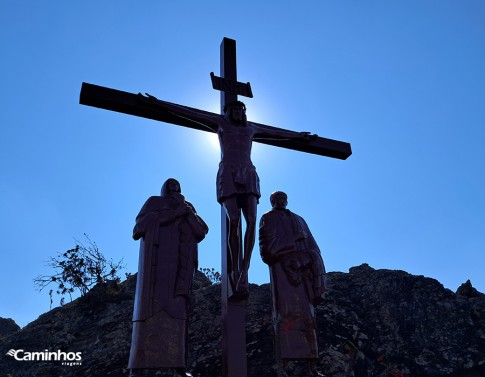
(132, 104)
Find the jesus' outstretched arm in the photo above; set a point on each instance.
(265, 133)
(203, 118)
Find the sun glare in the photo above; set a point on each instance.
(212, 140)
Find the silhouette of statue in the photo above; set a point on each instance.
(169, 229)
(297, 275)
(237, 181)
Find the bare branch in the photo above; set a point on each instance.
(79, 269)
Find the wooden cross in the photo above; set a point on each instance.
(233, 310)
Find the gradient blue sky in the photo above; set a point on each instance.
(402, 81)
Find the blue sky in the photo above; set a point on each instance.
(402, 81)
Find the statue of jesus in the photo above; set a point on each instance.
(237, 181)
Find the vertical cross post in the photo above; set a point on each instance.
(233, 310)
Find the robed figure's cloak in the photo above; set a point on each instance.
(297, 276)
(167, 263)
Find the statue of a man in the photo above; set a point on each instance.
(169, 229)
(237, 181)
(297, 275)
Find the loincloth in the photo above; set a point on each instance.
(235, 179)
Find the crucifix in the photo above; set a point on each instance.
(237, 181)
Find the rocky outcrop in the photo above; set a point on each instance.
(7, 327)
(372, 323)
(391, 323)
(467, 290)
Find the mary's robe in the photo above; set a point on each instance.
(167, 262)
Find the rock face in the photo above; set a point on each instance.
(372, 323)
(390, 323)
(7, 327)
